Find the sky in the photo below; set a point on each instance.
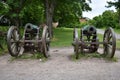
(98, 7)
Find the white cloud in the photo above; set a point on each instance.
(98, 7)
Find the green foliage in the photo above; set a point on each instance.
(4, 29)
(3, 44)
(33, 13)
(116, 4)
(68, 14)
(97, 21)
(4, 8)
(109, 18)
(117, 26)
(13, 10)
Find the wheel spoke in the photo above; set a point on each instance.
(13, 45)
(110, 37)
(12, 40)
(109, 50)
(14, 49)
(109, 46)
(110, 42)
(12, 36)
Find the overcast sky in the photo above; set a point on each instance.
(98, 7)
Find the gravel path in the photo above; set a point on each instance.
(59, 67)
(100, 31)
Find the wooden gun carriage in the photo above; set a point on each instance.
(35, 38)
(89, 42)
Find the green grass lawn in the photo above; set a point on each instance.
(117, 31)
(63, 37)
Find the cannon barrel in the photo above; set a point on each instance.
(30, 30)
(30, 26)
(88, 30)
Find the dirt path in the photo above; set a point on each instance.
(59, 67)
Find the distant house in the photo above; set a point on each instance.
(84, 20)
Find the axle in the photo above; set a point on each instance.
(83, 43)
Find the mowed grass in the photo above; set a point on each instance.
(117, 31)
(63, 37)
(118, 44)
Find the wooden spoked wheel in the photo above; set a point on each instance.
(45, 41)
(109, 45)
(76, 40)
(13, 41)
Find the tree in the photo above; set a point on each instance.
(13, 10)
(4, 8)
(108, 18)
(61, 5)
(49, 12)
(69, 13)
(97, 21)
(116, 4)
(18, 9)
(33, 13)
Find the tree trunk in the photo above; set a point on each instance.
(49, 9)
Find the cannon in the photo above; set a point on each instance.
(35, 39)
(89, 42)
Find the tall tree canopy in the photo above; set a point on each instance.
(109, 18)
(69, 13)
(116, 4)
(12, 9)
(62, 10)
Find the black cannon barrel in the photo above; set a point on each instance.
(30, 26)
(88, 30)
